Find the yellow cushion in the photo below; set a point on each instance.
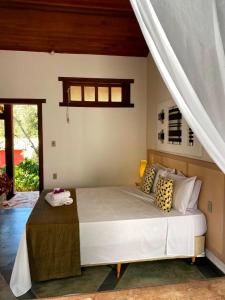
(164, 193)
(148, 179)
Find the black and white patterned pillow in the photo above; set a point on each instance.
(164, 193)
(148, 179)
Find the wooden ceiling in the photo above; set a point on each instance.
(71, 26)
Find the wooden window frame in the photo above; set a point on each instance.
(124, 84)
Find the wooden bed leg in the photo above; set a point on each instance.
(118, 270)
(193, 259)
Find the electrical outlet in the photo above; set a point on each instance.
(210, 206)
(54, 175)
(53, 143)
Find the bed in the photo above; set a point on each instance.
(122, 224)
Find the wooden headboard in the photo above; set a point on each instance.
(213, 189)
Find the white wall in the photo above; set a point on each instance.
(157, 94)
(100, 146)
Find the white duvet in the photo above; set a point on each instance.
(121, 224)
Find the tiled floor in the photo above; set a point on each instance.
(93, 279)
(195, 290)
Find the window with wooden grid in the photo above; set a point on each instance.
(96, 92)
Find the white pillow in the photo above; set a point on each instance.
(180, 173)
(161, 172)
(182, 191)
(193, 203)
(169, 170)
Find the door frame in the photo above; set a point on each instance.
(7, 116)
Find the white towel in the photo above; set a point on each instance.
(58, 202)
(68, 201)
(59, 196)
(54, 203)
(65, 201)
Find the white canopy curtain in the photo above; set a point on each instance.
(187, 41)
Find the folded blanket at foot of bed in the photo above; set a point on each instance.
(53, 240)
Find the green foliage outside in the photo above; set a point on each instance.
(25, 122)
(26, 176)
(25, 127)
(2, 170)
(26, 115)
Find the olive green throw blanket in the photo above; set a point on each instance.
(53, 240)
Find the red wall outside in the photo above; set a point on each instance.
(18, 157)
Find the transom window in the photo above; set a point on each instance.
(96, 92)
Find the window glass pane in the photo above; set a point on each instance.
(75, 93)
(103, 94)
(89, 93)
(116, 94)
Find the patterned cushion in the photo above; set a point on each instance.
(148, 179)
(164, 193)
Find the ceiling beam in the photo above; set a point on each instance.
(71, 27)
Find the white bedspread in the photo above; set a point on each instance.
(121, 224)
(20, 281)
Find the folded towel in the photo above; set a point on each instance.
(68, 201)
(58, 202)
(48, 197)
(59, 196)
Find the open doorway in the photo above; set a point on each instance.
(26, 148)
(2, 142)
(21, 147)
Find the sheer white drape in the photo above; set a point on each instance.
(187, 41)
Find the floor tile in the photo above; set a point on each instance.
(5, 292)
(158, 273)
(89, 281)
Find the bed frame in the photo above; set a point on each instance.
(199, 252)
(213, 190)
(205, 171)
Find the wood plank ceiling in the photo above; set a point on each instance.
(71, 26)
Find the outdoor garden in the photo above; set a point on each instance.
(26, 167)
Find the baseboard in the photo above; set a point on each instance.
(216, 261)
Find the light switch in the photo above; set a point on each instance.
(210, 206)
(54, 175)
(53, 143)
